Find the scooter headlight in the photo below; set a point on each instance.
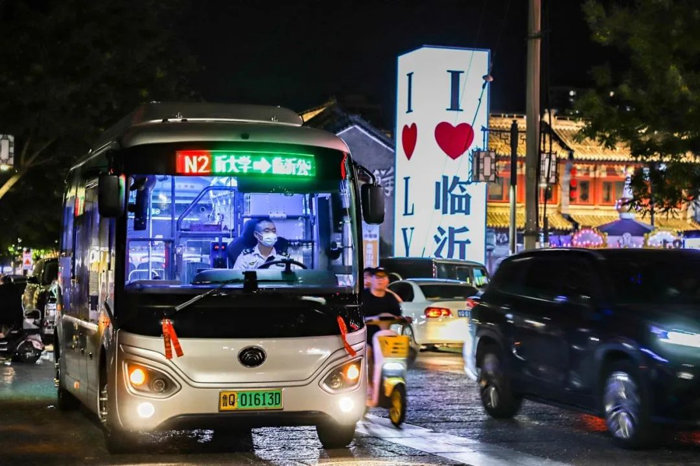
(148, 381)
(344, 377)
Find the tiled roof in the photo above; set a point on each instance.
(565, 131)
(594, 219)
(331, 117)
(499, 141)
(498, 216)
(588, 149)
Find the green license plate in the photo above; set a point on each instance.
(239, 400)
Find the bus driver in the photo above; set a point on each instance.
(264, 251)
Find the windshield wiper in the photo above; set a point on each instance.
(189, 302)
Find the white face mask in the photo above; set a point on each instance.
(269, 239)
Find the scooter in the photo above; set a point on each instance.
(24, 344)
(388, 374)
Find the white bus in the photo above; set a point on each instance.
(209, 275)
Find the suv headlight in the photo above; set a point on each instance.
(344, 377)
(677, 337)
(147, 381)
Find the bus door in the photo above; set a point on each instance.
(86, 226)
(99, 256)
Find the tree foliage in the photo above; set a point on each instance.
(68, 70)
(649, 98)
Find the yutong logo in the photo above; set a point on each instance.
(252, 356)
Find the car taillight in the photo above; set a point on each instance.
(435, 312)
(471, 303)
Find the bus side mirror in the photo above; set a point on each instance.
(110, 196)
(372, 203)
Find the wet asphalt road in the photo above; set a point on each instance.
(441, 399)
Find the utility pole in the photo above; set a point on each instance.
(534, 40)
(513, 193)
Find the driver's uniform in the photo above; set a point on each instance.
(252, 258)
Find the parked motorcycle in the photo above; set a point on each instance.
(24, 344)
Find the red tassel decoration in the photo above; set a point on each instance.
(170, 338)
(343, 332)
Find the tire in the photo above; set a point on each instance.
(414, 348)
(497, 396)
(27, 354)
(119, 442)
(334, 435)
(65, 401)
(626, 407)
(399, 404)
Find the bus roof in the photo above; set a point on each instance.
(156, 123)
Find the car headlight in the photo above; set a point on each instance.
(344, 377)
(677, 337)
(145, 380)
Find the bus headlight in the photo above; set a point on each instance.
(145, 380)
(137, 376)
(344, 377)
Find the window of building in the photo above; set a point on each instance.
(498, 190)
(583, 193)
(608, 192)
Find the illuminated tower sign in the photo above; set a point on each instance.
(442, 105)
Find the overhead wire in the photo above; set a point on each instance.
(456, 117)
(481, 95)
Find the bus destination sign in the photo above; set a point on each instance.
(222, 162)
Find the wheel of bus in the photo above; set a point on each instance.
(334, 435)
(117, 440)
(233, 439)
(397, 409)
(65, 400)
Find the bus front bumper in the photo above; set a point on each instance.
(197, 407)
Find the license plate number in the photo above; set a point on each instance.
(246, 400)
(464, 313)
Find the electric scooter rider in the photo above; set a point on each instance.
(377, 300)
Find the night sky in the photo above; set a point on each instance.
(299, 53)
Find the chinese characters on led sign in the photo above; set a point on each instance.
(440, 210)
(205, 162)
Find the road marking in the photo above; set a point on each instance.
(447, 446)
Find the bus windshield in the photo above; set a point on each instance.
(201, 231)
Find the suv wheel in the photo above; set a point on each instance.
(625, 406)
(497, 397)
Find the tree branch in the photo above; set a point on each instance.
(25, 168)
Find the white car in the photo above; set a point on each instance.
(438, 308)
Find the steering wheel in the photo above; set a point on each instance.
(287, 262)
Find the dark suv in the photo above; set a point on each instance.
(613, 333)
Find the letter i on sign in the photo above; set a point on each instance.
(409, 99)
(454, 90)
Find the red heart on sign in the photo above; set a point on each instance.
(454, 140)
(409, 136)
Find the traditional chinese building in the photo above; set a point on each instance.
(598, 174)
(370, 147)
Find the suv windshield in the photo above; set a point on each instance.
(204, 230)
(657, 281)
